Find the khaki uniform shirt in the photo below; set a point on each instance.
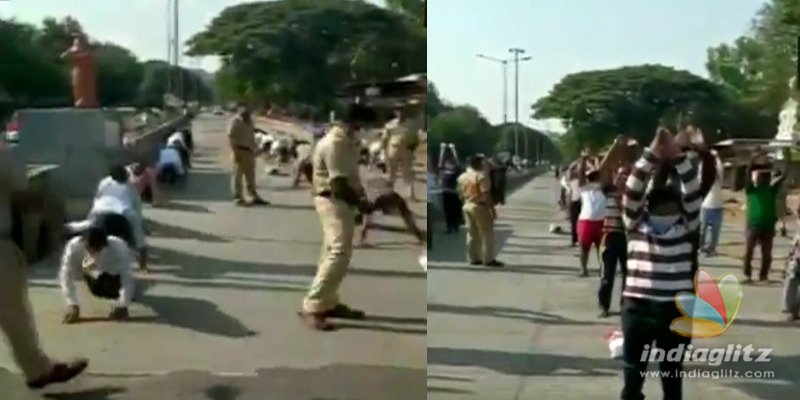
(475, 187)
(397, 135)
(13, 178)
(241, 133)
(335, 156)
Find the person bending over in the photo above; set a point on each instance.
(118, 210)
(383, 198)
(177, 141)
(170, 165)
(104, 263)
(145, 181)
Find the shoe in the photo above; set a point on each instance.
(792, 317)
(763, 278)
(583, 274)
(315, 321)
(604, 313)
(475, 263)
(259, 202)
(239, 201)
(495, 264)
(748, 280)
(60, 373)
(342, 311)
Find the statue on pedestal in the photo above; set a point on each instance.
(84, 71)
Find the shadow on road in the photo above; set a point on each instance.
(531, 316)
(361, 326)
(222, 392)
(204, 317)
(523, 364)
(202, 267)
(102, 393)
(184, 207)
(159, 229)
(332, 382)
(453, 248)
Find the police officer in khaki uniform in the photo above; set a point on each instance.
(242, 139)
(475, 188)
(400, 139)
(16, 320)
(338, 198)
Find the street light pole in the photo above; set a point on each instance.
(516, 52)
(504, 64)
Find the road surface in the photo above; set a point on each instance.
(531, 330)
(216, 319)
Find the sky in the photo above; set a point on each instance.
(564, 37)
(139, 25)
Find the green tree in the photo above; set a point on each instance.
(119, 74)
(757, 66)
(598, 105)
(303, 50)
(463, 126)
(413, 9)
(434, 105)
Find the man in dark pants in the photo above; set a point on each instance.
(449, 172)
(614, 243)
(660, 224)
(573, 195)
(761, 213)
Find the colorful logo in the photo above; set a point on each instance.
(711, 309)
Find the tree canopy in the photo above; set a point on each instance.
(304, 50)
(33, 74)
(599, 105)
(471, 133)
(742, 98)
(756, 67)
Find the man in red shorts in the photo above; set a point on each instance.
(593, 212)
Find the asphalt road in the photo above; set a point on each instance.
(216, 318)
(531, 330)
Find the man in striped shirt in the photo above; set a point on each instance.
(614, 171)
(661, 226)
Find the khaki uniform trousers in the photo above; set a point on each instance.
(338, 226)
(244, 168)
(480, 232)
(16, 317)
(403, 159)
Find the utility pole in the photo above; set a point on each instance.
(504, 65)
(516, 52)
(177, 48)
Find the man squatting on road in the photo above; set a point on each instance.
(104, 262)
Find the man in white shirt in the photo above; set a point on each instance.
(712, 212)
(592, 214)
(117, 209)
(170, 165)
(104, 262)
(177, 141)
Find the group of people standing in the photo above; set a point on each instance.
(649, 213)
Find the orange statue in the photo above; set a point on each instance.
(84, 72)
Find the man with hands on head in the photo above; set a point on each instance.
(662, 224)
(104, 262)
